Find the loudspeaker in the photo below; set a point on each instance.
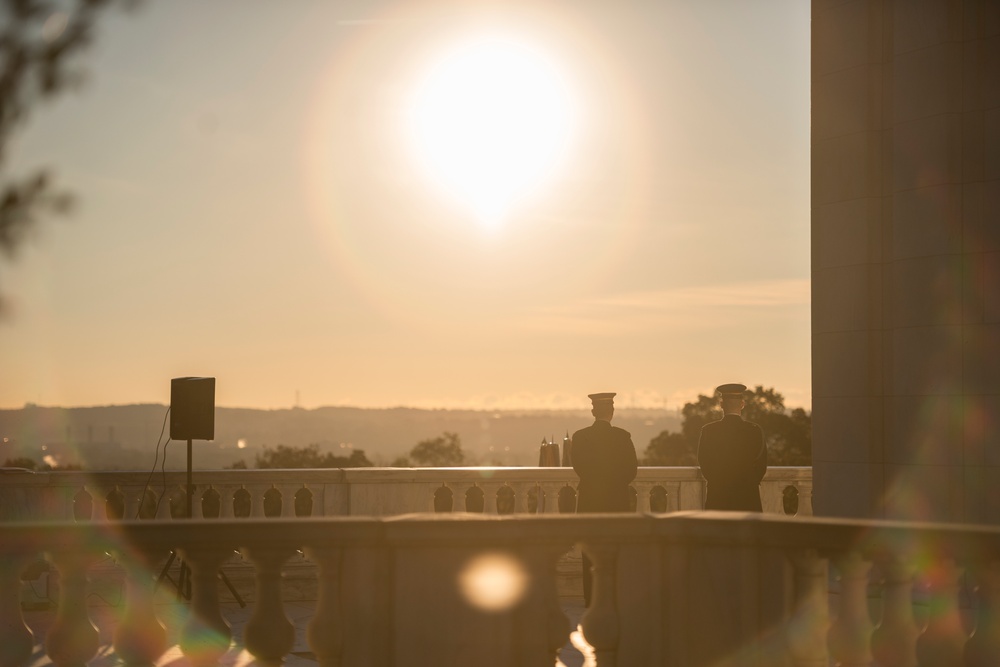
(192, 409)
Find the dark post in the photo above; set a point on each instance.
(190, 485)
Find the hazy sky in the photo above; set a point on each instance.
(258, 204)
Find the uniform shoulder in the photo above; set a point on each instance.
(711, 425)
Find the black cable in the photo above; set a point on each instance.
(121, 595)
(142, 496)
(38, 595)
(163, 478)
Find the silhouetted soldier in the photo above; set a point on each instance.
(732, 456)
(604, 458)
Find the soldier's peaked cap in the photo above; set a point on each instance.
(606, 397)
(732, 390)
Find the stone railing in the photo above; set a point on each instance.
(691, 588)
(104, 495)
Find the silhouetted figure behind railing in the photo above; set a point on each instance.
(732, 456)
(604, 458)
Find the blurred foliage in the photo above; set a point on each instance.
(31, 464)
(788, 433)
(309, 456)
(441, 452)
(20, 462)
(670, 449)
(40, 44)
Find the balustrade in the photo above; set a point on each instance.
(375, 577)
(110, 496)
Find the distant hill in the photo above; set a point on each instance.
(123, 437)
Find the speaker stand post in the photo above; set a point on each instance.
(190, 484)
(184, 582)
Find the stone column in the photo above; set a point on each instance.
(906, 259)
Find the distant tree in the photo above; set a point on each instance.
(238, 465)
(309, 456)
(40, 41)
(670, 449)
(788, 433)
(440, 452)
(20, 462)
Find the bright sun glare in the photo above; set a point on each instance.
(491, 121)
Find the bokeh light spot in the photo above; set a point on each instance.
(493, 581)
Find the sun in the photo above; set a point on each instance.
(490, 121)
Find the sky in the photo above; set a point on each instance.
(429, 204)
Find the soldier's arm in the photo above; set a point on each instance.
(581, 458)
(706, 460)
(761, 462)
(631, 465)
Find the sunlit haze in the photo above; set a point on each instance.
(490, 120)
(428, 204)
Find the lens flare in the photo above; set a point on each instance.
(493, 581)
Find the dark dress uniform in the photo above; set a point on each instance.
(604, 458)
(733, 460)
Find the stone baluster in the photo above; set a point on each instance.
(809, 621)
(549, 503)
(600, 623)
(72, 640)
(288, 501)
(805, 489)
(57, 505)
(226, 498)
(145, 502)
(850, 636)
(558, 625)
(326, 629)
(642, 491)
(257, 503)
(542, 628)
(163, 505)
(490, 497)
(140, 638)
(132, 502)
(521, 502)
(16, 639)
(100, 496)
(206, 635)
(674, 497)
(64, 499)
(894, 642)
(196, 510)
(269, 635)
(943, 640)
(983, 648)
